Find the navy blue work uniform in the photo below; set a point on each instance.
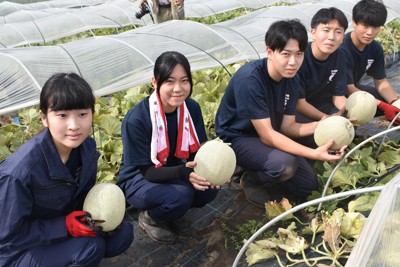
(322, 80)
(253, 94)
(170, 195)
(37, 192)
(371, 62)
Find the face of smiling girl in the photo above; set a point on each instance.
(174, 90)
(68, 128)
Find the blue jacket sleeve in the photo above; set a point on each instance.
(17, 230)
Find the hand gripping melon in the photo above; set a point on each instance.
(106, 201)
(338, 128)
(215, 161)
(362, 106)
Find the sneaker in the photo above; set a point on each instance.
(255, 193)
(158, 231)
(180, 226)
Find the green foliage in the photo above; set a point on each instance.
(235, 234)
(389, 37)
(222, 16)
(12, 135)
(363, 168)
(208, 88)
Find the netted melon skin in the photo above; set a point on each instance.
(215, 161)
(106, 201)
(338, 128)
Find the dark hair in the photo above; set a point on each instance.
(165, 64)
(66, 91)
(281, 31)
(372, 13)
(325, 15)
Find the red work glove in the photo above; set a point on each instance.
(390, 112)
(77, 225)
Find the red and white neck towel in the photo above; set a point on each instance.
(187, 141)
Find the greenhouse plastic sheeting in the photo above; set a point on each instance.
(378, 244)
(10, 7)
(118, 62)
(27, 27)
(66, 22)
(24, 27)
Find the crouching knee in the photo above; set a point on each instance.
(119, 239)
(90, 253)
(287, 173)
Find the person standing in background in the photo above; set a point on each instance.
(165, 10)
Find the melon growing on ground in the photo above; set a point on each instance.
(337, 128)
(362, 106)
(215, 161)
(106, 201)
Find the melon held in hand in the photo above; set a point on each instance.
(338, 128)
(215, 161)
(362, 106)
(106, 201)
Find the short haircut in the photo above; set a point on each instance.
(280, 32)
(66, 91)
(372, 13)
(166, 63)
(325, 15)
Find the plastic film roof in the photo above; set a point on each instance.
(11, 7)
(118, 62)
(44, 22)
(30, 25)
(52, 24)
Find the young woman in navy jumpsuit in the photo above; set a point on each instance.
(165, 191)
(44, 183)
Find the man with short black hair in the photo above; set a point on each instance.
(323, 72)
(365, 55)
(257, 116)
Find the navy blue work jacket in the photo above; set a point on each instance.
(37, 191)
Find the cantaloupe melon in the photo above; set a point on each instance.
(396, 103)
(362, 106)
(106, 201)
(215, 161)
(338, 128)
